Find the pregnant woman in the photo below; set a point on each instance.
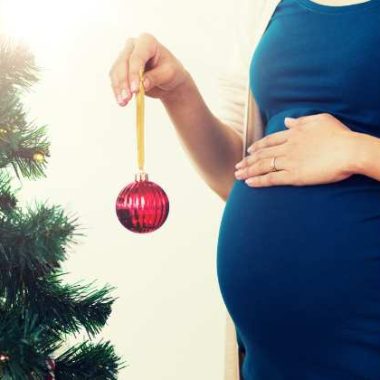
(298, 256)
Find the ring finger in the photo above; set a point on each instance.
(262, 166)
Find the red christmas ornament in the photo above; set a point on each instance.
(142, 206)
(51, 367)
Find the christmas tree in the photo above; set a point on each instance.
(38, 311)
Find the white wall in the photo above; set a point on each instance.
(168, 322)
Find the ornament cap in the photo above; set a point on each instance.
(141, 176)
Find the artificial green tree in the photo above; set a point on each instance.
(38, 311)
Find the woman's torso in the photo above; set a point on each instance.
(334, 69)
(293, 259)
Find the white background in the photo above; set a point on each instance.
(168, 321)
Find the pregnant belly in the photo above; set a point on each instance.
(296, 258)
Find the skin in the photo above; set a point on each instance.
(337, 152)
(213, 146)
(314, 149)
(304, 151)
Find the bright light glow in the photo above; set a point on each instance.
(43, 24)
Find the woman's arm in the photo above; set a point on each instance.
(366, 159)
(214, 146)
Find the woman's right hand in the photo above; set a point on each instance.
(163, 72)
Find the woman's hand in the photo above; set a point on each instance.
(315, 149)
(162, 71)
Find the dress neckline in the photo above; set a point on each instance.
(324, 8)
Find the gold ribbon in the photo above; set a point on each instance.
(140, 121)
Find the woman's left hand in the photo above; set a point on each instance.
(315, 149)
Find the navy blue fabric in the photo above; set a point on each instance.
(299, 266)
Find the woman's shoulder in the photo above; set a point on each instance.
(250, 19)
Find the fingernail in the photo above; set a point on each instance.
(134, 85)
(289, 119)
(125, 94)
(119, 99)
(238, 165)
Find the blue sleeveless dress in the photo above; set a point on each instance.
(299, 266)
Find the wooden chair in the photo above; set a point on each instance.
(232, 356)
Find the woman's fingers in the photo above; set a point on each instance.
(146, 48)
(163, 72)
(270, 140)
(124, 73)
(119, 74)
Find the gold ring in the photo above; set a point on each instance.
(274, 168)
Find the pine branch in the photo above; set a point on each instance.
(70, 307)
(37, 310)
(8, 200)
(33, 329)
(88, 361)
(20, 139)
(32, 244)
(26, 345)
(17, 65)
(22, 147)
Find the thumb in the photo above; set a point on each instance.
(156, 77)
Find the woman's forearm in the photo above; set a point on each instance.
(366, 157)
(214, 147)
